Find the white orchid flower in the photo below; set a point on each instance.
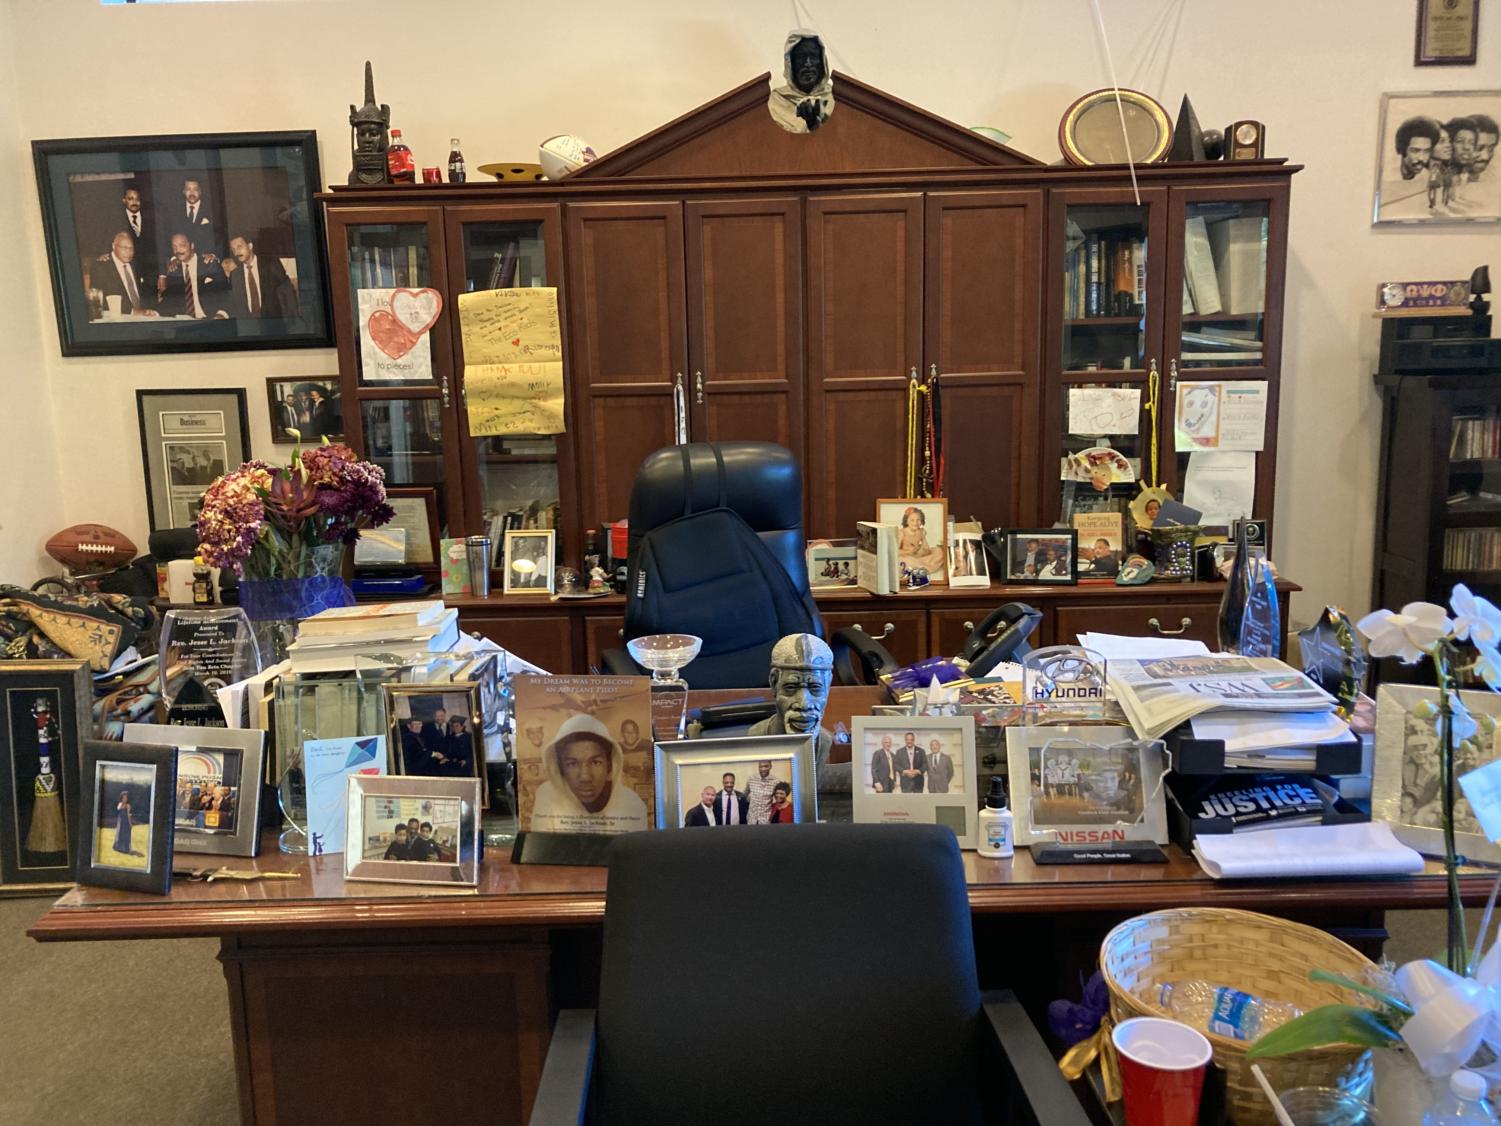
(1462, 724)
(1406, 635)
(1475, 618)
(1488, 666)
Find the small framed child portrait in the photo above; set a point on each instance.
(126, 830)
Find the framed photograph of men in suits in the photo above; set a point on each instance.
(188, 243)
(745, 780)
(916, 768)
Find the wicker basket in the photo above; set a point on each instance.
(1256, 954)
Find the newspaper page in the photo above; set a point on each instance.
(1158, 695)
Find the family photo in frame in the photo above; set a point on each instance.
(1436, 161)
(412, 830)
(184, 243)
(1041, 555)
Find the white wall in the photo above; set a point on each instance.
(502, 76)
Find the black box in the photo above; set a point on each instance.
(1185, 793)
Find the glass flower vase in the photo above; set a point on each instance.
(305, 583)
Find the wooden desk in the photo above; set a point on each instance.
(318, 969)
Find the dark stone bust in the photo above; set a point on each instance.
(369, 136)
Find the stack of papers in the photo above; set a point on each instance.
(345, 637)
(1286, 741)
(1159, 694)
(1367, 849)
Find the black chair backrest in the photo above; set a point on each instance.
(724, 556)
(812, 973)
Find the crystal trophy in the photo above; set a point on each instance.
(665, 654)
(201, 652)
(1261, 623)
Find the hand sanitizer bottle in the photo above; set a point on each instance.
(995, 822)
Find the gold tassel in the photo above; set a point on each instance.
(1076, 1060)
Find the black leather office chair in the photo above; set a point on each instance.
(812, 973)
(707, 577)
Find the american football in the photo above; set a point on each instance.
(91, 547)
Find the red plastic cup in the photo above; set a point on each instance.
(1162, 1070)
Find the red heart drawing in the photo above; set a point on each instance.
(516, 343)
(390, 335)
(416, 309)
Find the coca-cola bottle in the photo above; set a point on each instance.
(399, 161)
(457, 173)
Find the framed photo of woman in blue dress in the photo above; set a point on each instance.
(126, 831)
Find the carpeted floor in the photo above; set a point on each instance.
(111, 1032)
(138, 1032)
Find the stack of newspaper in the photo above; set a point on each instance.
(1158, 695)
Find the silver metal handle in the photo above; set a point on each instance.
(445, 390)
(1183, 626)
(967, 627)
(887, 632)
(679, 411)
(698, 387)
(1172, 374)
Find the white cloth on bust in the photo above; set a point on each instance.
(785, 99)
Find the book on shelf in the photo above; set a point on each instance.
(1239, 249)
(1472, 549)
(1475, 436)
(1198, 267)
(875, 557)
(1104, 275)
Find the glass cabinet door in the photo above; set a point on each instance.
(1105, 275)
(1222, 332)
(518, 475)
(387, 264)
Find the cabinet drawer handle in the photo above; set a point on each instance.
(1183, 626)
(698, 387)
(967, 627)
(620, 632)
(887, 632)
(445, 391)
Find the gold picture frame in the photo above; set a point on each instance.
(1090, 130)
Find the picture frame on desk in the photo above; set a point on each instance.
(1042, 556)
(231, 761)
(705, 783)
(1406, 783)
(381, 807)
(968, 564)
(922, 525)
(916, 769)
(437, 731)
(528, 562)
(46, 713)
(125, 816)
(149, 238)
(189, 437)
(309, 404)
(1085, 784)
(417, 514)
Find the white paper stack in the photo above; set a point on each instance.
(1365, 849)
(1159, 694)
(1287, 741)
(343, 638)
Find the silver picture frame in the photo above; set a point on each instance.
(455, 801)
(201, 750)
(956, 806)
(1029, 785)
(1405, 779)
(689, 762)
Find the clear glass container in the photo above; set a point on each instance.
(665, 654)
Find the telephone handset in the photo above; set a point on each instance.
(1002, 636)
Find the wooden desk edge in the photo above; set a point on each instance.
(217, 920)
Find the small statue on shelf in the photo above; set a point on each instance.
(369, 136)
(598, 583)
(807, 99)
(802, 668)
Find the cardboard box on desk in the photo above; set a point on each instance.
(1203, 804)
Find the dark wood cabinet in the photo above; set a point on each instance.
(719, 280)
(865, 290)
(745, 320)
(630, 342)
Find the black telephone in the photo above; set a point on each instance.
(1002, 636)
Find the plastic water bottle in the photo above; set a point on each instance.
(1222, 1010)
(1464, 1105)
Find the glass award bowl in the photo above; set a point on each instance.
(664, 653)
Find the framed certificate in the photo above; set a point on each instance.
(1447, 32)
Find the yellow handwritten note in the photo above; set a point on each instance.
(513, 361)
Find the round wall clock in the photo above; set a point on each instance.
(1090, 132)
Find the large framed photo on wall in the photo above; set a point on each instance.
(1437, 158)
(190, 243)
